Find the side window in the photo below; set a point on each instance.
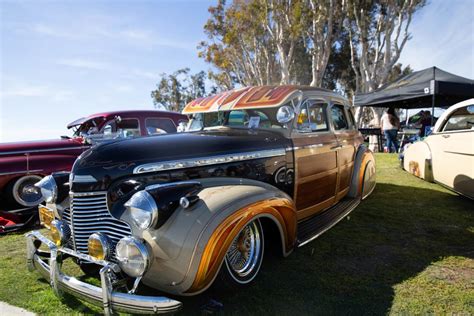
(312, 117)
(156, 126)
(338, 117)
(461, 119)
(128, 127)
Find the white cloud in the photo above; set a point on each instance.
(106, 28)
(14, 89)
(25, 91)
(51, 31)
(145, 74)
(84, 63)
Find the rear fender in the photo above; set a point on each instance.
(364, 176)
(417, 161)
(190, 247)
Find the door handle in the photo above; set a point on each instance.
(446, 136)
(336, 147)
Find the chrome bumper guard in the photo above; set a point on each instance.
(101, 296)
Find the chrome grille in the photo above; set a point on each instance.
(89, 214)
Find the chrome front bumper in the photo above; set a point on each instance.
(49, 265)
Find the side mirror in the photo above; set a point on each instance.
(118, 119)
(285, 114)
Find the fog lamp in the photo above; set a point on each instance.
(60, 232)
(133, 256)
(99, 246)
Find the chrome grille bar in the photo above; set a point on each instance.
(89, 214)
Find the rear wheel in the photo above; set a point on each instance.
(23, 191)
(244, 257)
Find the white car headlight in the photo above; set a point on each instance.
(48, 188)
(143, 209)
(133, 256)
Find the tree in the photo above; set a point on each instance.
(378, 32)
(239, 47)
(174, 91)
(322, 16)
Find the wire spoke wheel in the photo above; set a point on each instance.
(244, 257)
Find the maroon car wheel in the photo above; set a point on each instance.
(24, 193)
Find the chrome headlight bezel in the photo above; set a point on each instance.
(48, 188)
(143, 209)
(124, 261)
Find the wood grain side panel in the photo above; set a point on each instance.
(345, 173)
(313, 164)
(346, 155)
(316, 191)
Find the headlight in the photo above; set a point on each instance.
(133, 256)
(48, 188)
(143, 209)
(60, 232)
(99, 246)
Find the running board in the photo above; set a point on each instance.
(313, 227)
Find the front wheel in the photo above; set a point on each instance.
(244, 256)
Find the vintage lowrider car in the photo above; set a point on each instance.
(25, 163)
(447, 155)
(260, 166)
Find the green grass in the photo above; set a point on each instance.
(407, 249)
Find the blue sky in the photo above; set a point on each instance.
(63, 60)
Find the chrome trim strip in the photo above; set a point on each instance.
(83, 179)
(41, 150)
(171, 184)
(23, 171)
(206, 161)
(72, 194)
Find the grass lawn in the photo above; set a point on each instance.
(407, 249)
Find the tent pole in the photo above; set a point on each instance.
(433, 96)
(432, 109)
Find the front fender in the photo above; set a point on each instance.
(189, 248)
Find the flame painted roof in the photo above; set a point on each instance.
(244, 98)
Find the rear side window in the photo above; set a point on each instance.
(129, 127)
(461, 119)
(156, 126)
(339, 117)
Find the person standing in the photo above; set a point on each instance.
(389, 123)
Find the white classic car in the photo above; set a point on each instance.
(447, 155)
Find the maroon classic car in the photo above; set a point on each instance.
(23, 164)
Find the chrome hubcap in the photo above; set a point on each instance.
(243, 254)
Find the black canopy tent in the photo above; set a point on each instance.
(420, 89)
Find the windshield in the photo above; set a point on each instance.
(254, 118)
(87, 128)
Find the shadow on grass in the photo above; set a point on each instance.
(352, 269)
(391, 237)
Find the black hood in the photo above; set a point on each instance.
(116, 159)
